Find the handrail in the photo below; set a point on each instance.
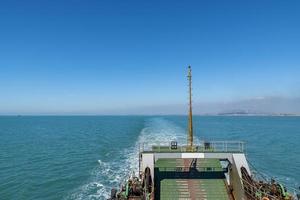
(203, 146)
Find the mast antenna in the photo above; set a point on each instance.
(190, 123)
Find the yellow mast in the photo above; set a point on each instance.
(190, 125)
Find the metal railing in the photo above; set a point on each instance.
(203, 146)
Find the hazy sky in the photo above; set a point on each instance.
(99, 56)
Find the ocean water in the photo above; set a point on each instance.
(83, 157)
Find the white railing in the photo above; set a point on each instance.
(203, 146)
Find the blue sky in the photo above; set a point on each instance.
(97, 56)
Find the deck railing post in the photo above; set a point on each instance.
(242, 147)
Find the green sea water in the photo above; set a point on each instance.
(82, 157)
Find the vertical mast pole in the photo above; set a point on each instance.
(190, 125)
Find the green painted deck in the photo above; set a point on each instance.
(204, 189)
(171, 164)
(189, 186)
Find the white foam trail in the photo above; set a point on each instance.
(111, 174)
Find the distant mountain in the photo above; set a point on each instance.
(251, 113)
(265, 106)
(255, 106)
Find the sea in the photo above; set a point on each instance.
(83, 157)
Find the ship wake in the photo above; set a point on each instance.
(107, 175)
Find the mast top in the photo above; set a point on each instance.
(189, 72)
